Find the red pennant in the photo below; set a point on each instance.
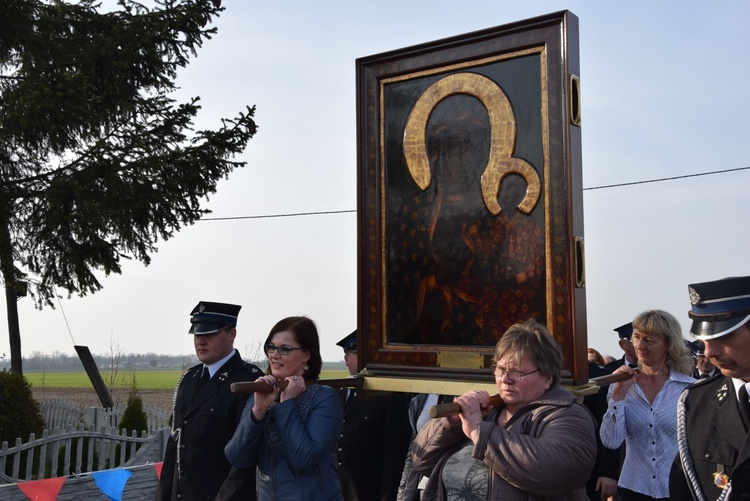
(42, 490)
(157, 467)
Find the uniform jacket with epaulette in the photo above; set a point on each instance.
(194, 464)
(710, 425)
(372, 446)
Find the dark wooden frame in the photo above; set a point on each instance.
(551, 43)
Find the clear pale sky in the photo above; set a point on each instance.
(664, 94)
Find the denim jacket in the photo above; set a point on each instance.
(293, 447)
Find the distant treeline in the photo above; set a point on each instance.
(58, 361)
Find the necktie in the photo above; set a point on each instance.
(744, 406)
(351, 396)
(205, 376)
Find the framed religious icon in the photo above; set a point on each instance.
(470, 213)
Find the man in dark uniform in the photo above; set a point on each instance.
(624, 332)
(374, 439)
(712, 428)
(603, 479)
(609, 461)
(703, 366)
(206, 413)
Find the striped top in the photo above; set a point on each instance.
(649, 432)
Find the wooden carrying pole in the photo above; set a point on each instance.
(452, 408)
(262, 387)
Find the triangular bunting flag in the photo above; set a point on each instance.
(157, 467)
(42, 490)
(112, 482)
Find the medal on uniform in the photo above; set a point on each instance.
(720, 478)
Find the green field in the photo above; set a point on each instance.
(145, 380)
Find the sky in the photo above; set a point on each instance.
(664, 94)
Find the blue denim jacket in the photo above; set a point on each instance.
(303, 465)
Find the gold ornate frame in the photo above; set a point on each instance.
(469, 149)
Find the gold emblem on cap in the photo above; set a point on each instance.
(694, 296)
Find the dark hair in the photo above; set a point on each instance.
(306, 334)
(532, 339)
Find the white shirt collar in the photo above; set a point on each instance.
(738, 384)
(214, 368)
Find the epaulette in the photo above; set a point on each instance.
(252, 368)
(700, 382)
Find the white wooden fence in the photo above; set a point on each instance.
(73, 451)
(63, 413)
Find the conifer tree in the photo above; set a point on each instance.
(97, 161)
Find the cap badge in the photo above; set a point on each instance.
(695, 298)
(722, 393)
(201, 308)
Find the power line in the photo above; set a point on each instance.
(665, 179)
(278, 215)
(66, 320)
(648, 181)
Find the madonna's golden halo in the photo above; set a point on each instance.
(503, 129)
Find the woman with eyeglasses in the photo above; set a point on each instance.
(290, 434)
(538, 444)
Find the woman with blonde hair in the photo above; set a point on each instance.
(642, 411)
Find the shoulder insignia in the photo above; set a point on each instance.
(194, 372)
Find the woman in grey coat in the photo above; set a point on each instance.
(538, 444)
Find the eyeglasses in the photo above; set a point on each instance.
(512, 374)
(282, 350)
